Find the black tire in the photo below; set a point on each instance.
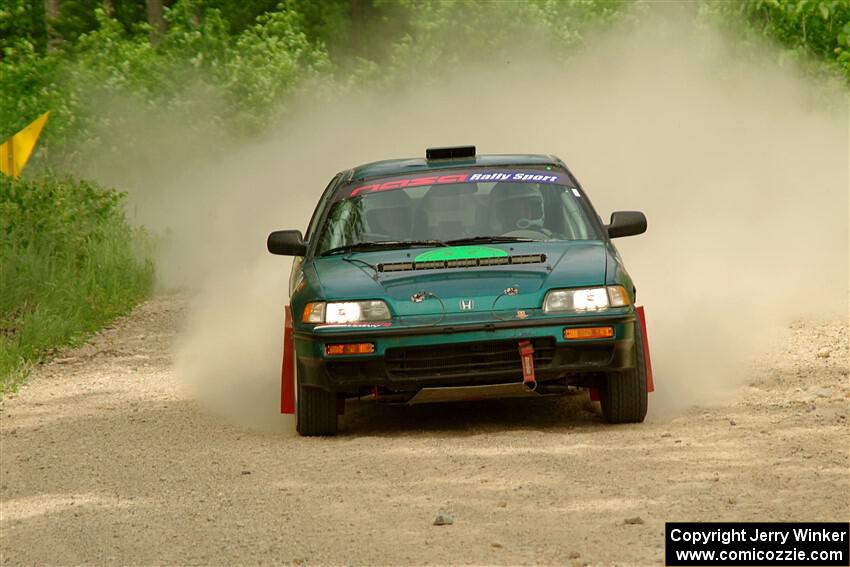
(623, 394)
(315, 410)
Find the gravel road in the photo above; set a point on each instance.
(105, 461)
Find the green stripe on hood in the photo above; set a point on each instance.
(460, 253)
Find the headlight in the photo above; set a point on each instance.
(345, 312)
(585, 299)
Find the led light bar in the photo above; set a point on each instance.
(462, 263)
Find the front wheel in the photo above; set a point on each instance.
(315, 410)
(623, 394)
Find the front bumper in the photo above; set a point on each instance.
(407, 359)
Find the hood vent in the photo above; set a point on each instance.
(462, 263)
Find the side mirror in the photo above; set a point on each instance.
(286, 243)
(626, 223)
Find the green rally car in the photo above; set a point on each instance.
(458, 277)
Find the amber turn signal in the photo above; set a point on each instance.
(350, 348)
(589, 333)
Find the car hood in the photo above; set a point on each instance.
(470, 290)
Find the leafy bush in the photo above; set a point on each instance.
(69, 262)
(442, 35)
(200, 72)
(813, 30)
(270, 59)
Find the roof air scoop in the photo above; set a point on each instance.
(450, 153)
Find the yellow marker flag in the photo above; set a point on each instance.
(15, 151)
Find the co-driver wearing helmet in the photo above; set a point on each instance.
(517, 207)
(389, 215)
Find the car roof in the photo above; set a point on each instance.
(392, 167)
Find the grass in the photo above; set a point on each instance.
(69, 263)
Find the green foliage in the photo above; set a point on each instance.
(816, 30)
(76, 18)
(27, 88)
(446, 33)
(201, 72)
(69, 262)
(239, 14)
(212, 67)
(235, 65)
(21, 21)
(270, 60)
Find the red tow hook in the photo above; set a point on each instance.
(526, 354)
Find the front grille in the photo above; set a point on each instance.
(463, 358)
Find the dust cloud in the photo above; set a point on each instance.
(740, 165)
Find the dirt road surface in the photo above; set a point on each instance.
(105, 461)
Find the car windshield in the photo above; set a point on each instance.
(388, 215)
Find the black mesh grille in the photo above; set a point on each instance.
(464, 358)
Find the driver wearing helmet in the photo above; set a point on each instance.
(517, 206)
(389, 215)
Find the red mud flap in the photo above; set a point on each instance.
(526, 354)
(287, 373)
(650, 385)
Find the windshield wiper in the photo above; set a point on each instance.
(382, 244)
(494, 238)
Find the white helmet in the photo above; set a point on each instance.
(516, 206)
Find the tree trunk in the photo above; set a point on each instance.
(155, 19)
(51, 14)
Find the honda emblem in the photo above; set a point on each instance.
(467, 304)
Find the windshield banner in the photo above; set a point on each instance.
(452, 178)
